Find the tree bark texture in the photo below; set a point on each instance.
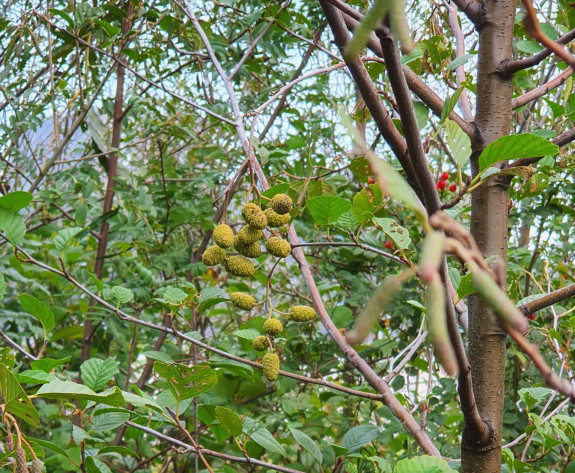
(489, 227)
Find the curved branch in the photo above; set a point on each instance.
(511, 67)
(542, 89)
(211, 453)
(548, 300)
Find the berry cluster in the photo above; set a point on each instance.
(247, 243)
(442, 183)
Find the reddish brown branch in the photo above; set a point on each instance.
(532, 27)
(548, 300)
(511, 67)
(542, 89)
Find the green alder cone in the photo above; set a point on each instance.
(213, 255)
(246, 236)
(276, 220)
(261, 343)
(253, 250)
(273, 327)
(271, 366)
(281, 204)
(240, 266)
(223, 236)
(302, 313)
(254, 216)
(278, 247)
(242, 300)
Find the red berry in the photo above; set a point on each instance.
(370, 180)
(452, 187)
(444, 176)
(388, 245)
(441, 185)
(565, 276)
(530, 316)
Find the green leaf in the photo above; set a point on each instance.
(395, 232)
(39, 310)
(466, 286)
(450, 104)
(93, 465)
(48, 364)
(513, 147)
(50, 446)
(366, 203)
(264, 438)
(325, 210)
(139, 401)
(122, 295)
(34, 377)
(186, 381)
(458, 142)
(159, 355)
(109, 421)
(174, 295)
(15, 399)
(459, 61)
(12, 224)
(308, 444)
(229, 420)
(97, 372)
(64, 237)
(81, 214)
(409, 465)
(347, 221)
(117, 449)
(531, 396)
(16, 201)
(248, 334)
(359, 167)
(72, 391)
(357, 437)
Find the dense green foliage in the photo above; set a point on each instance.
(176, 166)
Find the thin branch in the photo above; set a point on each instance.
(211, 453)
(14, 345)
(357, 245)
(511, 67)
(542, 89)
(548, 300)
(160, 328)
(138, 75)
(415, 84)
(532, 27)
(459, 70)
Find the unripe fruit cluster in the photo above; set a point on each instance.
(247, 240)
(247, 243)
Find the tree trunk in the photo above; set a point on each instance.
(489, 227)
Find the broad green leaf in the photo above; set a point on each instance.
(359, 167)
(64, 237)
(174, 295)
(395, 232)
(465, 287)
(109, 421)
(139, 401)
(357, 437)
(72, 391)
(229, 420)
(97, 372)
(12, 224)
(117, 449)
(458, 142)
(48, 364)
(248, 334)
(264, 438)
(347, 221)
(16, 201)
(450, 104)
(325, 210)
(409, 465)
(34, 377)
(513, 147)
(430, 462)
(81, 214)
(186, 381)
(531, 396)
(277, 189)
(122, 295)
(459, 61)
(15, 399)
(159, 356)
(366, 203)
(93, 465)
(39, 310)
(308, 444)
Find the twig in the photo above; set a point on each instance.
(14, 345)
(211, 453)
(548, 300)
(540, 91)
